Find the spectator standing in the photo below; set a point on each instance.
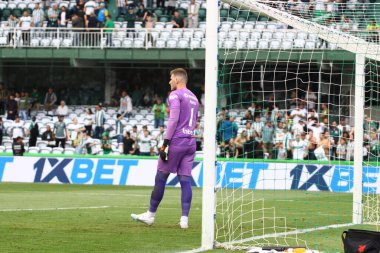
(75, 132)
(38, 15)
(3, 98)
(99, 121)
(89, 8)
(299, 147)
(198, 135)
(267, 138)
(159, 110)
(109, 25)
(240, 142)
(88, 121)
(60, 132)
(128, 144)
(63, 17)
(119, 128)
(120, 7)
(13, 22)
(12, 108)
(160, 137)
(78, 24)
(18, 147)
(228, 131)
(324, 114)
(2, 129)
(93, 36)
(48, 136)
(258, 125)
(177, 20)
(160, 4)
(25, 22)
(192, 14)
(125, 104)
(102, 14)
(33, 132)
(62, 109)
(170, 7)
(341, 150)
(311, 98)
(50, 100)
(24, 106)
(141, 12)
(53, 16)
(36, 99)
(17, 129)
(130, 17)
(145, 143)
(86, 143)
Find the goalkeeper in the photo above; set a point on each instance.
(178, 151)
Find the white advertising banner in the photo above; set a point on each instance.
(141, 172)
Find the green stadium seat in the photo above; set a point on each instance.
(120, 18)
(182, 12)
(234, 14)
(202, 14)
(223, 13)
(252, 18)
(263, 18)
(244, 14)
(17, 12)
(242, 19)
(164, 18)
(159, 12)
(6, 13)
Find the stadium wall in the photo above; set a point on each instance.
(260, 175)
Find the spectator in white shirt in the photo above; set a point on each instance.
(25, 22)
(125, 104)
(38, 15)
(145, 143)
(192, 15)
(298, 113)
(17, 128)
(62, 109)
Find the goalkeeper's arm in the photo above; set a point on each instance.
(172, 125)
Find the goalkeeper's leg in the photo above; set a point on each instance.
(186, 197)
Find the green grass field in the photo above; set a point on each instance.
(89, 218)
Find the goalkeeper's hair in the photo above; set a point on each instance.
(180, 73)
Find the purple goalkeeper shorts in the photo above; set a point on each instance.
(180, 157)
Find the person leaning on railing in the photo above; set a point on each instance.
(13, 21)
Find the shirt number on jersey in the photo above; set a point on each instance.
(191, 117)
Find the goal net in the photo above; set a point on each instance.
(297, 123)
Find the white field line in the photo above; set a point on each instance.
(194, 250)
(53, 208)
(297, 231)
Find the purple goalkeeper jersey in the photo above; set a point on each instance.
(183, 106)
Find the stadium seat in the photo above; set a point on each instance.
(202, 14)
(41, 144)
(275, 44)
(3, 5)
(310, 44)
(237, 25)
(3, 40)
(199, 34)
(260, 26)
(249, 25)
(244, 35)
(271, 26)
(7, 143)
(225, 26)
(127, 43)
(234, 13)
(164, 19)
(228, 44)
(116, 43)
(255, 35)
(138, 25)
(195, 43)
(31, 5)
(69, 151)
(17, 12)
(183, 5)
(12, 5)
(177, 33)
(183, 43)
(233, 34)
(252, 44)
(241, 44)
(187, 34)
(223, 13)
(222, 35)
(202, 25)
(2, 149)
(299, 43)
(278, 35)
(158, 12)
(138, 43)
(302, 35)
(64, 3)
(263, 44)
(45, 42)
(22, 5)
(45, 150)
(287, 44)
(57, 150)
(203, 43)
(165, 34)
(290, 35)
(266, 35)
(56, 42)
(161, 43)
(244, 14)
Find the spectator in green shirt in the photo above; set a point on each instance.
(106, 143)
(159, 110)
(109, 25)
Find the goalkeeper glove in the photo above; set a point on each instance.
(164, 150)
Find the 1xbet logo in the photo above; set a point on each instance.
(57, 170)
(315, 177)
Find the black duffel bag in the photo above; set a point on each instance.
(361, 241)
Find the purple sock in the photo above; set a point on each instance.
(158, 191)
(187, 194)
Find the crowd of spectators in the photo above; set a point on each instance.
(299, 132)
(93, 135)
